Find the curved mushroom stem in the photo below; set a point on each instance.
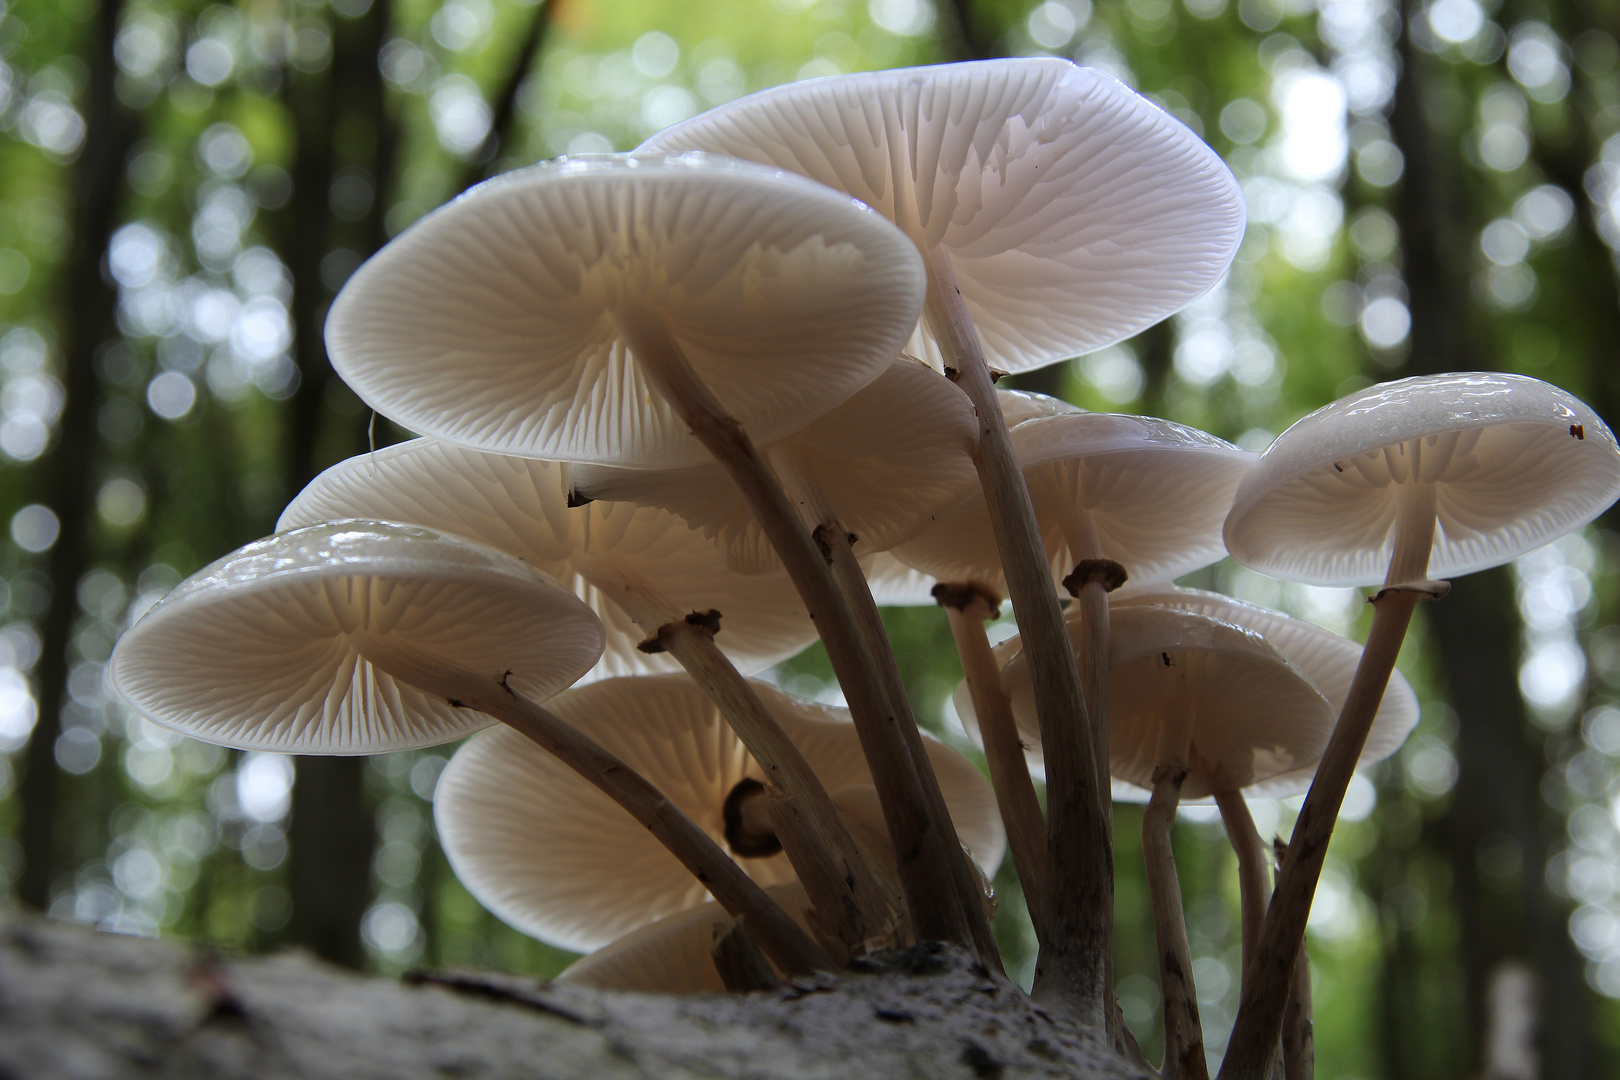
(1074, 961)
(842, 890)
(1265, 997)
(1299, 1029)
(784, 941)
(924, 857)
(1254, 878)
(1183, 1033)
(967, 607)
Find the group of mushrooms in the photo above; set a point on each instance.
(687, 409)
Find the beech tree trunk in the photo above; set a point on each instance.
(78, 1003)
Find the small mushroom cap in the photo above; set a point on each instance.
(895, 451)
(490, 322)
(552, 856)
(1254, 715)
(675, 954)
(894, 584)
(254, 651)
(1157, 493)
(1327, 659)
(1074, 211)
(1515, 462)
(521, 507)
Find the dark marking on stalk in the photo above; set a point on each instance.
(1166, 658)
(961, 596)
(952, 373)
(1578, 431)
(1106, 572)
(705, 620)
(996, 376)
(1336, 465)
(578, 498)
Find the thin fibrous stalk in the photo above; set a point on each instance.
(920, 853)
(967, 608)
(1253, 859)
(969, 888)
(1260, 1014)
(1299, 1029)
(1074, 960)
(1183, 1033)
(782, 939)
(742, 967)
(842, 889)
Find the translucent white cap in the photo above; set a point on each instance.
(1514, 461)
(552, 856)
(602, 551)
(1252, 715)
(491, 322)
(254, 651)
(1329, 660)
(1075, 213)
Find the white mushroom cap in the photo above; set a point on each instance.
(675, 954)
(1327, 659)
(521, 507)
(894, 584)
(491, 322)
(1253, 714)
(895, 451)
(553, 857)
(1515, 463)
(1074, 211)
(1155, 493)
(254, 651)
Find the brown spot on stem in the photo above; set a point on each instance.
(1578, 431)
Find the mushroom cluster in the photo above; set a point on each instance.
(687, 409)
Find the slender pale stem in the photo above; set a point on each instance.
(967, 609)
(784, 941)
(1299, 1029)
(841, 886)
(1073, 964)
(923, 860)
(1183, 1032)
(1260, 1014)
(1254, 876)
(741, 965)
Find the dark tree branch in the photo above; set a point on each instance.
(504, 114)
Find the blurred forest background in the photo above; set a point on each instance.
(183, 186)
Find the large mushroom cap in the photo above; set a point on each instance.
(885, 459)
(491, 322)
(675, 955)
(1252, 715)
(1155, 493)
(1074, 211)
(553, 857)
(1327, 659)
(1515, 462)
(254, 651)
(521, 507)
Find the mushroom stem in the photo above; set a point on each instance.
(742, 967)
(817, 513)
(1254, 879)
(841, 886)
(1183, 1033)
(967, 608)
(1265, 997)
(1074, 960)
(1299, 1035)
(922, 855)
(1093, 578)
(852, 580)
(784, 941)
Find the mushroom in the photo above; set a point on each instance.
(1199, 707)
(1057, 212)
(643, 570)
(539, 313)
(674, 955)
(875, 466)
(1440, 474)
(562, 864)
(354, 637)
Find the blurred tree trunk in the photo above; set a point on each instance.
(85, 320)
(1491, 835)
(342, 123)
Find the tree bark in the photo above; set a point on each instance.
(79, 1003)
